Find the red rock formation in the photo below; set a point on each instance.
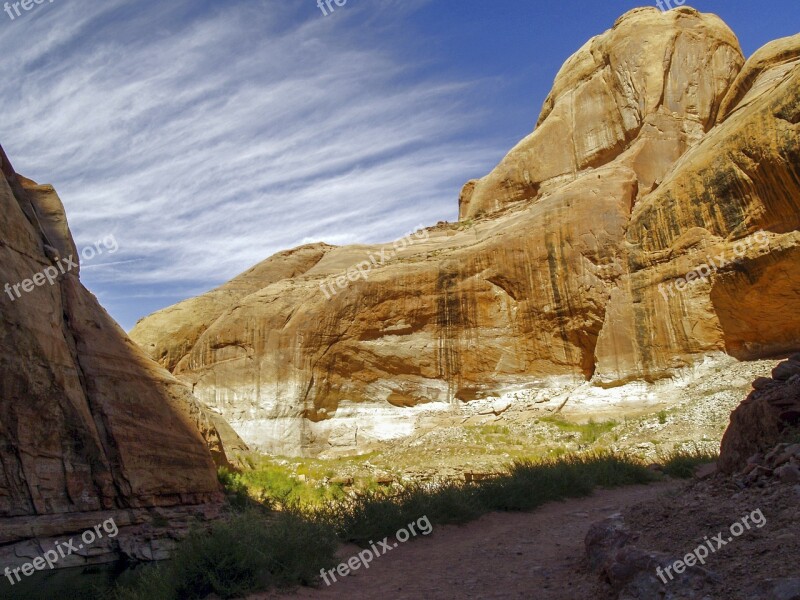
(658, 151)
(87, 421)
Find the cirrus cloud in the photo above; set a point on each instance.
(206, 139)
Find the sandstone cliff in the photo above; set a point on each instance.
(659, 157)
(87, 421)
(637, 96)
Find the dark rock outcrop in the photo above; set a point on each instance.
(637, 574)
(765, 418)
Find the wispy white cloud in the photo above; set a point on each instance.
(206, 140)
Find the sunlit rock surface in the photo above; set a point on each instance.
(648, 224)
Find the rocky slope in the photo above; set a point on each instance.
(649, 223)
(735, 539)
(767, 416)
(89, 425)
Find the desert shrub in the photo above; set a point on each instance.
(235, 489)
(683, 463)
(526, 485)
(247, 553)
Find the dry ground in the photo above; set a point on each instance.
(537, 555)
(540, 555)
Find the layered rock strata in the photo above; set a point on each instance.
(648, 223)
(88, 423)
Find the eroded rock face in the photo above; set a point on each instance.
(679, 164)
(731, 204)
(638, 95)
(87, 421)
(766, 417)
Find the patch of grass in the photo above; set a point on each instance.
(589, 432)
(530, 484)
(662, 417)
(557, 452)
(374, 514)
(494, 429)
(682, 464)
(465, 225)
(527, 485)
(274, 485)
(248, 553)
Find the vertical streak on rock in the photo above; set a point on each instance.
(455, 324)
(448, 319)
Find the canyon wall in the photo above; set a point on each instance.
(89, 424)
(648, 223)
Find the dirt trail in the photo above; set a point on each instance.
(535, 555)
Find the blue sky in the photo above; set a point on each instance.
(206, 136)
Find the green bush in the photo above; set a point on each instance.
(530, 484)
(235, 488)
(245, 554)
(683, 464)
(273, 486)
(374, 514)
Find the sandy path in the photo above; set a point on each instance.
(535, 555)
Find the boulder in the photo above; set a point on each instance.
(786, 370)
(776, 589)
(788, 474)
